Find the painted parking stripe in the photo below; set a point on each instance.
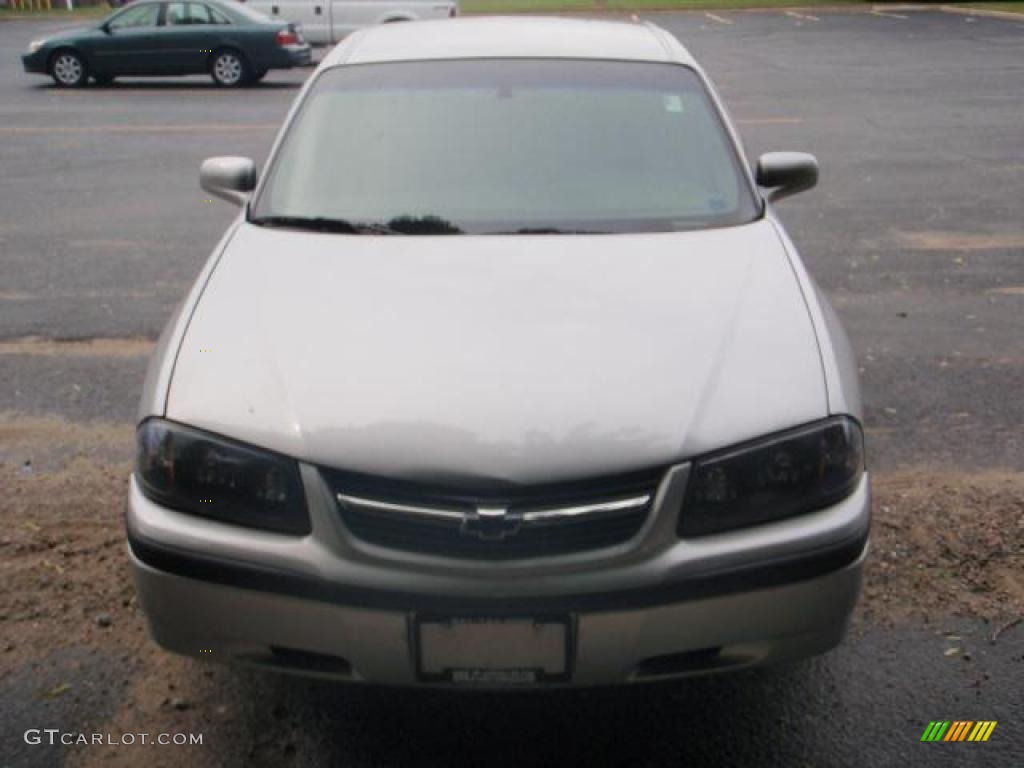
(887, 14)
(801, 16)
(769, 121)
(719, 19)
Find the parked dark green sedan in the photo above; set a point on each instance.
(234, 44)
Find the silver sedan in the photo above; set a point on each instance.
(505, 375)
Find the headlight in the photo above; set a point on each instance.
(202, 474)
(780, 476)
(35, 45)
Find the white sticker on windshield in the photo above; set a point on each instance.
(673, 103)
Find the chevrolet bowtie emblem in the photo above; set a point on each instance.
(490, 523)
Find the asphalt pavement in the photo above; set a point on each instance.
(866, 704)
(916, 232)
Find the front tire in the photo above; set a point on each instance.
(229, 69)
(68, 69)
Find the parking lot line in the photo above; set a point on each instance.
(887, 14)
(93, 347)
(770, 121)
(801, 16)
(189, 128)
(719, 19)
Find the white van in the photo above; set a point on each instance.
(328, 21)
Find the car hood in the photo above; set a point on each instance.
(513, 360)
(69, 34)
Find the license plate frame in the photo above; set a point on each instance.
(487, 627)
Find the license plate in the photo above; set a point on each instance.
(493, 651)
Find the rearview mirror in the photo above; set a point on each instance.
(786, 173)
(229, 178)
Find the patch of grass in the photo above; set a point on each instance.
(58, 11)
(710, 5)
(530, 6)
(1011, 6)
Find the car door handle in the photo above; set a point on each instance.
(273, 9)
(318, 10)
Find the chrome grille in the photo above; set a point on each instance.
(541, 521)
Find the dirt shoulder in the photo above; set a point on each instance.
(946, 543)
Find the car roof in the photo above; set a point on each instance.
(509, 37)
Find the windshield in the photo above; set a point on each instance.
(140, 15)
(506, 146)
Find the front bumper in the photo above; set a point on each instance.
(35, 63)
(657, 608)
(217, 622)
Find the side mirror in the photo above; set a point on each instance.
(786, 173)
(107, 29)
(229, 178)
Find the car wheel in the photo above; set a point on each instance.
(229, 69)
(68, 69)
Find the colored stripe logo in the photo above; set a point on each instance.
(958, 730)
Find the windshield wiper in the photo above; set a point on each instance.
(399, 225)
(430, 224)
(324, 224)
(548, 231)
